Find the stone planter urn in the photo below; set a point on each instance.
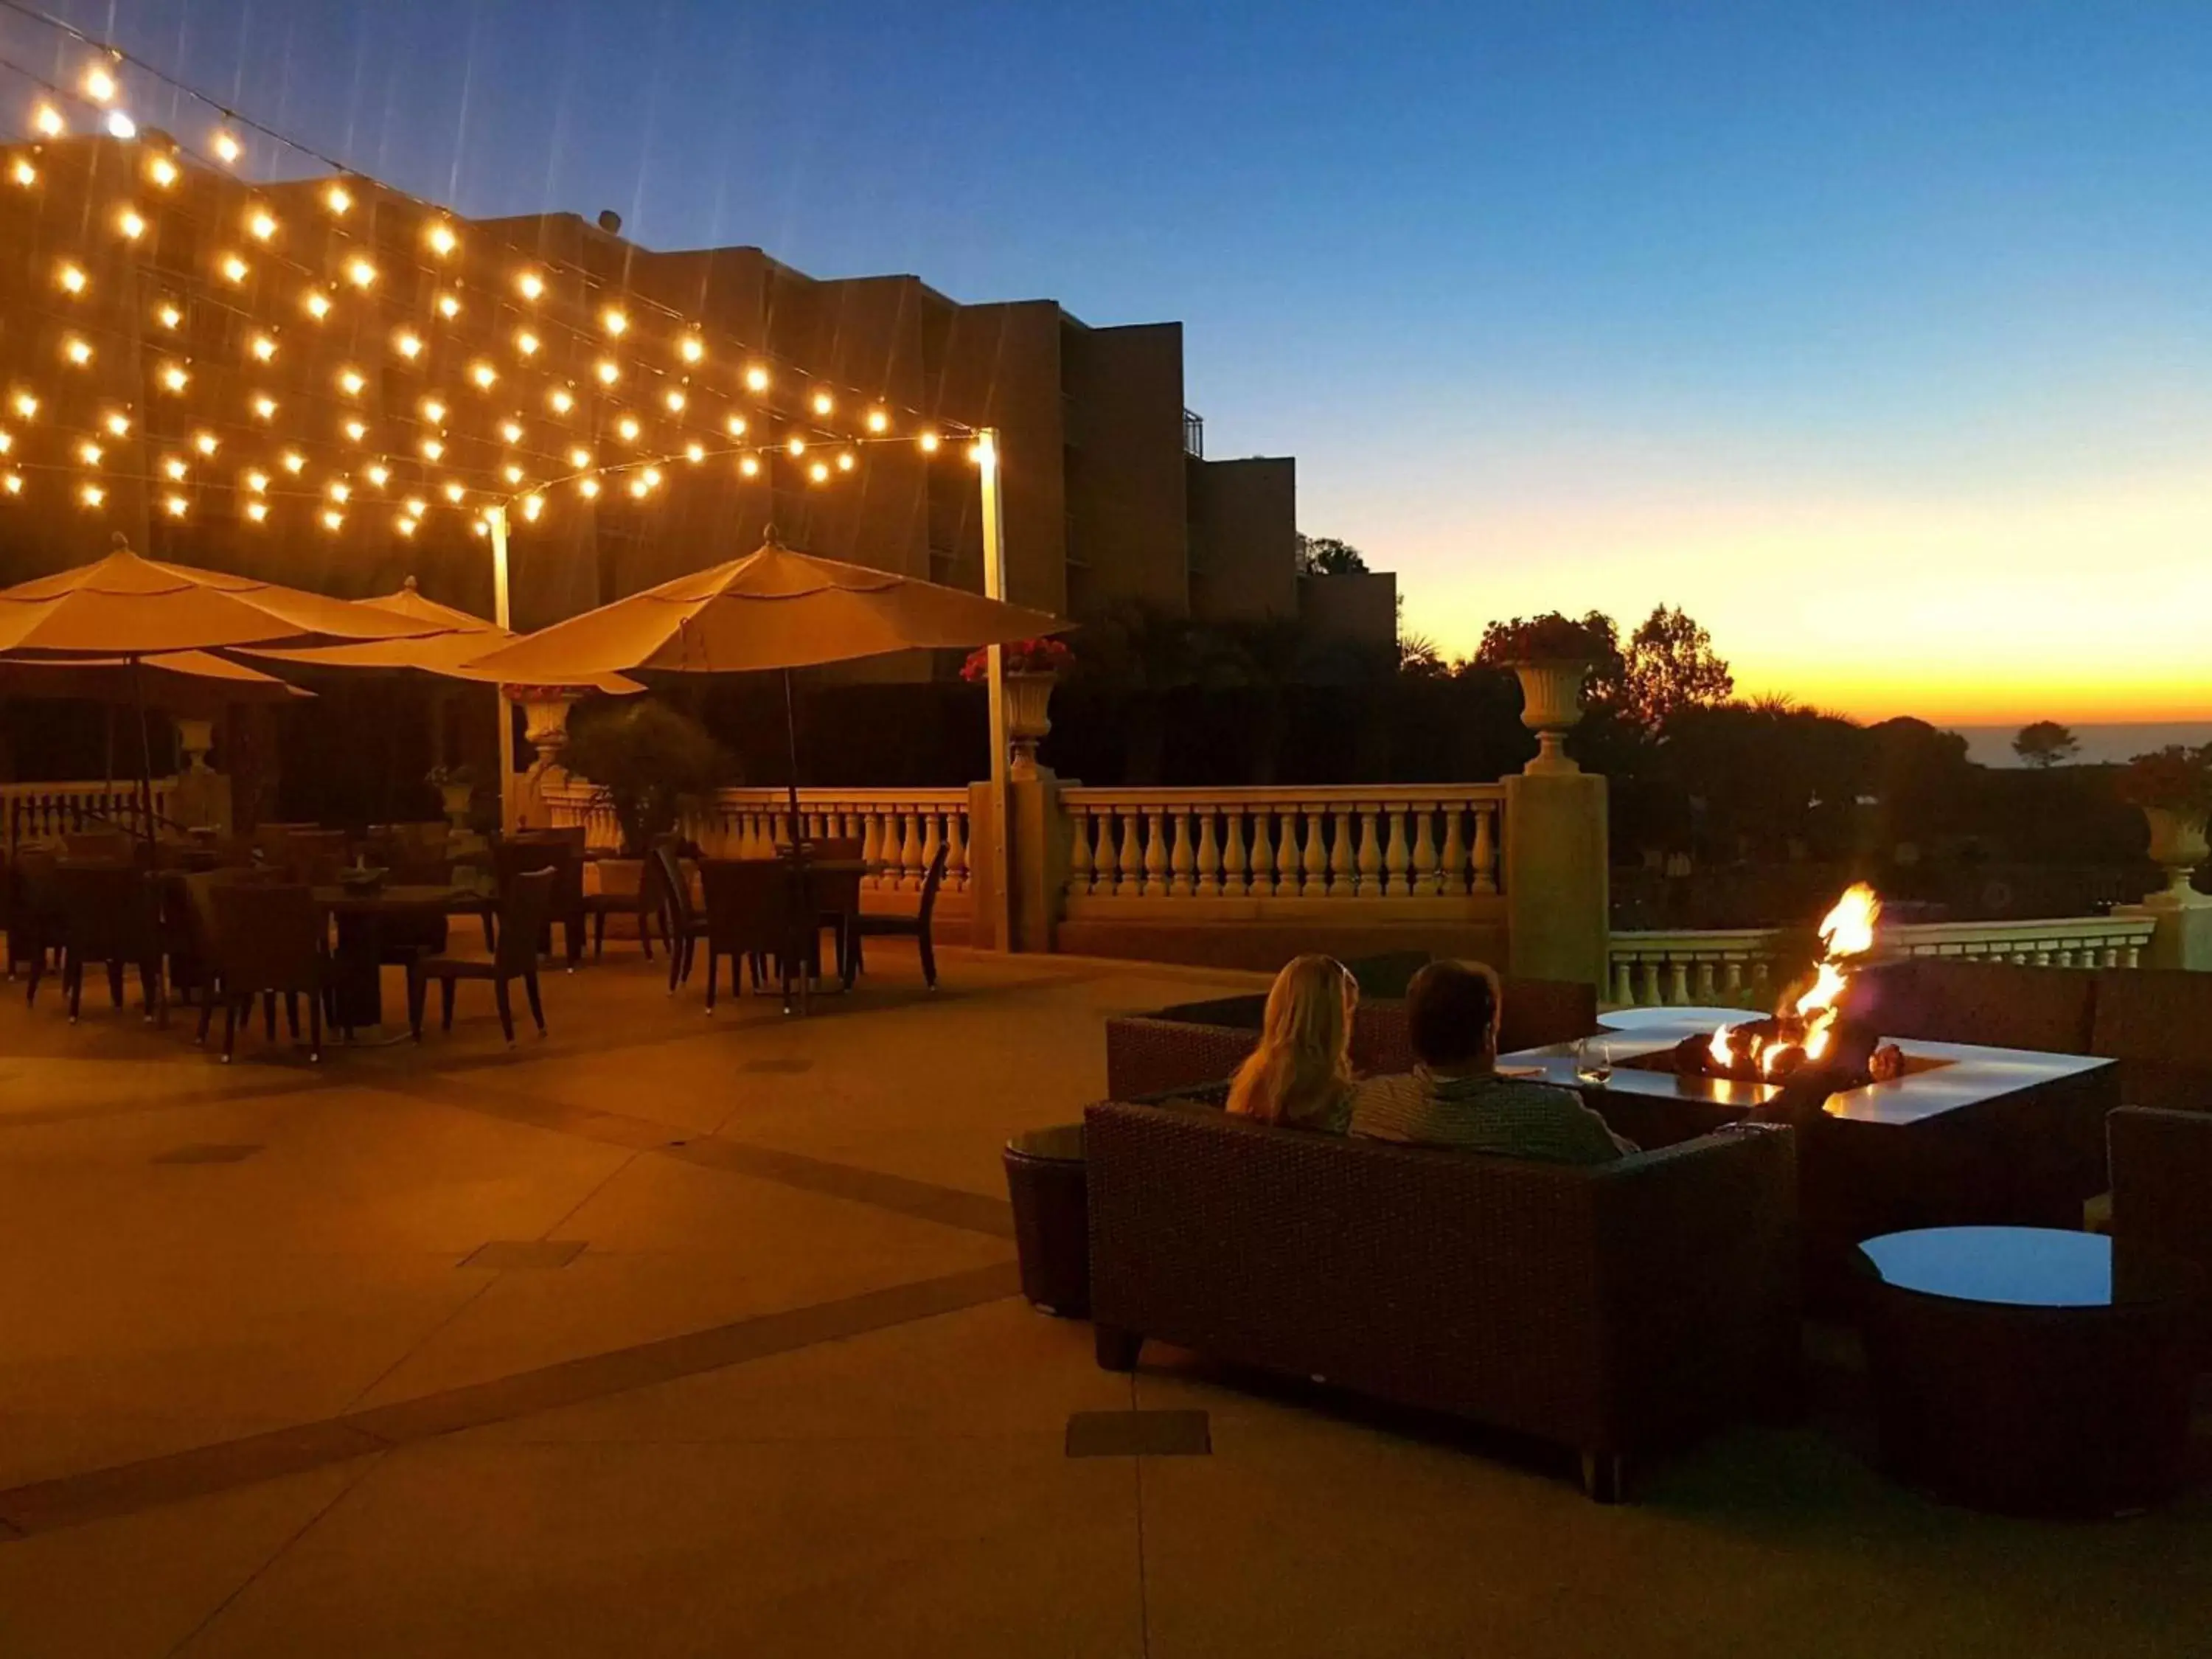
(1028, 697)
(1550, 707)
(459, 800)
(2178, 845)
(196, 738)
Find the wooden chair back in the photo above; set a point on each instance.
(930, 885)
(752, 904)
(270, 935)
(524, 907)
(107, 910)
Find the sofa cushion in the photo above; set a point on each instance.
(1999, 1005)
(2157, 1023)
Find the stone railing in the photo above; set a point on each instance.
(34, 811)
(899, 830)
(1411, 846)
(1737, 966)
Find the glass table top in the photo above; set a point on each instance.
(2027, 1267)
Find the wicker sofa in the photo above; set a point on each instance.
(1614, 1309)
(1200, 1043)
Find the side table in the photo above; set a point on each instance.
(1052, 1218)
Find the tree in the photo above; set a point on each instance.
(1420, 659)
(1670, 666)
(653, 761)
(1325, 555)
(2046, 743)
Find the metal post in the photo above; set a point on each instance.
(994, 587)
(500, 614)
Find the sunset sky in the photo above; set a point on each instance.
(1879, 337)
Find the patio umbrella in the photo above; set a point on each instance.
(184, 680)
(773, 608)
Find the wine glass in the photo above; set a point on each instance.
(1594, 1059)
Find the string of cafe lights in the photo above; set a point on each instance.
(436, 463)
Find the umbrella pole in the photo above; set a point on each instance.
(160, 991)
(790, 749)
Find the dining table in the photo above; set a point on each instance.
(364, 916)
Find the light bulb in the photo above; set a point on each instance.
(513, 474)
(531, 284)
(258, 483)
(442, 239)
(334, 520)
(206, 442)
(407, 344)
(433, 411)
(7, 442)
(162, 171)
(23, 172)
(99, 85)
(588, 487)
(338, 198)
(481, 527)
(819, 472)
(177, 506)
(692, 348)
(560, 399)
(118, 424)
(526, 342)
(265, 406)
(484, 374)
(234, 268)
(736, 424)
(131, 223)
(454, 493)
(120, 126)
(404, 524)
(76, 351)
(675, 401)
(511, 431)
(356, 430)
(652, 477)
(256, 511)
(845, 461)
(579, 458)
(627, 427)
(48, 120)
(797, 446)
(92, 494)
(294, 462)
(449, 306)
(318, 304)
(531, 507)
(341, 491)
(615, 321)
(695, 452)
(167, 315)
(174, 378)
(13, 483)
(638, 486)
(26, 404)
(226, 146)
(72, 278)
(262, 347)
(88, 452)
(928, 442)
(379, 475)
(757, 378)
(823, 402)
(433, 449)
(878, 421)
(175, 468)
(416, 506)
(262, 225)
(607, 372)
(350, 381)
(360, 272)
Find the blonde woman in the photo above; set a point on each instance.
(1301, 1074)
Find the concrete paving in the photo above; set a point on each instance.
(680, 1334)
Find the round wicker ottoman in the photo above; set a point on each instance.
(1052, 1218)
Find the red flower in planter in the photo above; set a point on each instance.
(1023, 656)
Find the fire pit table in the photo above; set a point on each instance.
(1966, 1136)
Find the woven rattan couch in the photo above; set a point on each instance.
(1615, 1310)
(1200, 1043)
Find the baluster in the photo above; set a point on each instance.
(1678, 982)
(1078, 854)
(1156, 853)
(1180, 863)
(1209, 856)
(1397, 880)
(1486, 849)
(911, 866)
(1624, 982)
(1132, 882)
(1733, 978)
(1454, 873)
(872, 849)
(1427, 879)
(1342, 862)
(932, 837)
(1289, 860)
(1651, 997)
(1313, 882)
(1233, 877)
(1704, 980)
(1367, 864)
(955, 866)
(1266, 867)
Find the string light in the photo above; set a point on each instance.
(226, 146)
(407, 344)
(691, 348)
(265, 406)
(512, 431)
(23, 172)
(531, 507)
(175, 468)
(167, 315)
(928, 442)
(356, 430)
(206, 442)
(318, 304)
(513, 474)
(481, 527)
(441, 238)
(605, 369)
(176, 505)
(638, 486)
(7, 442)
(26, 404)
(379, 475)
(130, 224)
(258, 483)
(823, 402)
(120, 126)
(117, 424)
(878, 421)
(454, 492)
(845, 461)
(88, 452)
(360, 272)
(99, 85)
(561, 400)
(341, 491)
(433, 450)
(77, 351)
(675, 401)
(449, 306)
(433, 411)
(797, 446)
(261, 225)
(174, 378)
(72, 278)
(757, 378)
(48, 121)
(12, 482)
(234, 268)
(588, 487)
(695, 452)
(351, 381)
(404, 524)
(416, 506)
(531, 284)
(294, 462)
(484, 374)
(615, 322)
(162, 171)
(628, 428)
(92, 494)
(819, 472)
(256, 511)
(736, 424)
(333, 519)
(338, 199)
(579, 458)
(525, 343)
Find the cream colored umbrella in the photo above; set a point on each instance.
(773, 608)
(175, 679)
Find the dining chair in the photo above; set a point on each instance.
(916, 926)
(269, 940)
(33, 919)
(106, 916)
(518, 854)
(523, 907)
(757, 909)
(646, 905)
(682, 925)
(315, 856)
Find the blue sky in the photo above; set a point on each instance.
(1879, 336)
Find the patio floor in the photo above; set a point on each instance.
(679, 1336)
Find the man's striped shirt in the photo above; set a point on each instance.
(1505, 1117)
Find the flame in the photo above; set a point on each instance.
(1804, 1028)
(1722, 1054)
(1848, 930)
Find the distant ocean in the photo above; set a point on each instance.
(1992, 744)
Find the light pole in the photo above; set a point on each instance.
(994, 587)
(501, 613)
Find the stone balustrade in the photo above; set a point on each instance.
(1737, 967)
(899, 830)
(1401, 845)
(35, 811)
